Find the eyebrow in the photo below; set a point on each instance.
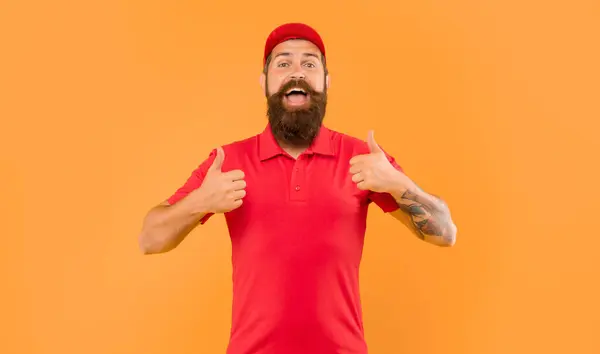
(289, 54)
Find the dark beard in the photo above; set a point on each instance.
(297, 127)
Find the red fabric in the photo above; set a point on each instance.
(297, 244)
(292, 31)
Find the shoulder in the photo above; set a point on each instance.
(347, 144)
(241, 146)
(236, 152)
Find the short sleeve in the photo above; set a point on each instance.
(193, 182)
(386, 201)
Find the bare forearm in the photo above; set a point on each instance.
(165, 226)
(429, 214)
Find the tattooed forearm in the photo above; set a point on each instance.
(422, 218)
(429, 215)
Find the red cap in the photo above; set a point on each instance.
(292, 31)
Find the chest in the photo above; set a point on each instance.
(303, 211)
(311, 185)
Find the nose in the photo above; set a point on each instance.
(297, 73)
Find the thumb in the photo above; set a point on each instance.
(218, 162)
(373, 147)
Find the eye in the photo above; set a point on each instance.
(310, 65)
(282, 64)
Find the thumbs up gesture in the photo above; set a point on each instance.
(373, 171)
(220, 191)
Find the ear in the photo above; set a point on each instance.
(263, 81)
(327, 81)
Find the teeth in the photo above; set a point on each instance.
(296, 89)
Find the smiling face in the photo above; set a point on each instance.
(295, 82)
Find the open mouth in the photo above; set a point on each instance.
(296, 97)
(295, 91)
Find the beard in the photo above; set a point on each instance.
(296, 126)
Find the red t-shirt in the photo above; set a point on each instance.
(297, 243)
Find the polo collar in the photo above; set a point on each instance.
(268, 146)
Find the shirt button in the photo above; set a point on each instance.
(297, 188)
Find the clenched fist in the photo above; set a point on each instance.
(221, 192)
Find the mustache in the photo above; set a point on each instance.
(296, 83)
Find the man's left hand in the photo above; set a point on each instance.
(374, 172)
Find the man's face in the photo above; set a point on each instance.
(296, 89)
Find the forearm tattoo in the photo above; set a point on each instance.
(429, 218)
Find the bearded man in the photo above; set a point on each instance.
(295, 199)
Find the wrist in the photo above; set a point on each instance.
(196, 204)
(400, 184)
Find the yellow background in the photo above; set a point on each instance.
(107, 106)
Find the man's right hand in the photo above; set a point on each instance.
(221, 192)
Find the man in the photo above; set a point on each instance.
(295, 199)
